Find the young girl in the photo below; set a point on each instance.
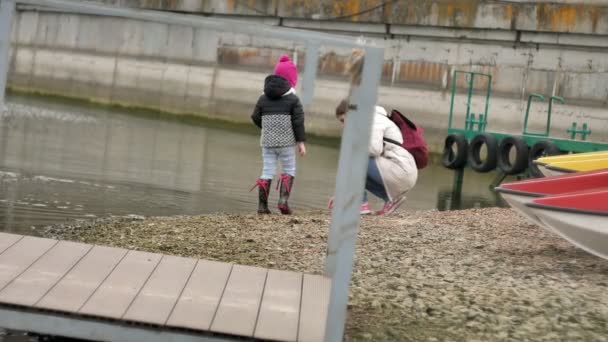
(280, 115)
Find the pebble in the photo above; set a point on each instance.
(474, 275)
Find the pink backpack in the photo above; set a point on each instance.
(413, 138)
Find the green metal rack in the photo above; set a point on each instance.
(476, 123)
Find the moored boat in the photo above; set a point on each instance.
(581, 218)
(518, 194)
(565, 167)
(571, 157)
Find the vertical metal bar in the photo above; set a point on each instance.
(525, 128)
(530, 97)
(500, 177)
(396, 65)
(585, 132)
(458, 180)
(349, 192)
(550, 111)
(572, 131)
(452, 100)
(310, 73)
(7, 9)
(457, 189)
(470, 97)
(487, 102)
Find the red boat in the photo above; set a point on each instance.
(581, 218)
(517, 194)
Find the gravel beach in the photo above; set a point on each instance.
(470, 275)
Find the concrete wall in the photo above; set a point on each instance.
(185, 70)
(573, 16)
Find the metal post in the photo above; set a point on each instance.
(585, 132)
(500, 177)
(454, 76)
(488, 93)
(525, 128)
(470, 93)
(349, 193)
(456, 199)
(572, 131)
(7, 8)
(551, 99)
(310, 73)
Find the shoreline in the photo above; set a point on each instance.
(477, 274)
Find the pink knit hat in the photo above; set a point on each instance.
(286, 69)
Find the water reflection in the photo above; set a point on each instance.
(61, 161)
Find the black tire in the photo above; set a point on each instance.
(542, 148)
(456, 160)
(475, 146)
(521, 155)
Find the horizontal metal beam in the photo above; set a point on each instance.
(562, 144)
(230, 25)
(95, 330)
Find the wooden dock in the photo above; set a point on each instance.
(111, 294)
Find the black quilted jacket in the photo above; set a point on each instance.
(279, 114)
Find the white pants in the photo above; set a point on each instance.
(270, 157)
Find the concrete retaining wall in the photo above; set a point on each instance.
(185, 70)
(571, 16)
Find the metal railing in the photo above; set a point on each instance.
(353, 152)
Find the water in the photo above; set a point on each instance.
(62, 161)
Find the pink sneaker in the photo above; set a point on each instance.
(365, 209)
(391, 206)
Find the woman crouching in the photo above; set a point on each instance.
(391, 169)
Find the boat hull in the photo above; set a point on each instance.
(518, 202)
(586, 231)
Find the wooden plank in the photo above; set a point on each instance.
(20, 256)
(79, 284)
(198, 303)
(280, 308)
(313, 312)
(7, 240)
(38, 279)
(156, 300)
(117, 292)
(238, 309)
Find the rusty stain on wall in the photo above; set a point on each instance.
(557, 17)
(541, 16)
(480, 83)
(594, 14)
(343, 8)
(332, 64)
(458, 13)
(414, 72)
(421, 72)
(508, 12)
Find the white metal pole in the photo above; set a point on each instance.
(349, 192)
(310, 73)
(7, 8)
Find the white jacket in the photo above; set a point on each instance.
(396, 165)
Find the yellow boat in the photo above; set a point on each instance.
(562, 167)
(571, 157)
